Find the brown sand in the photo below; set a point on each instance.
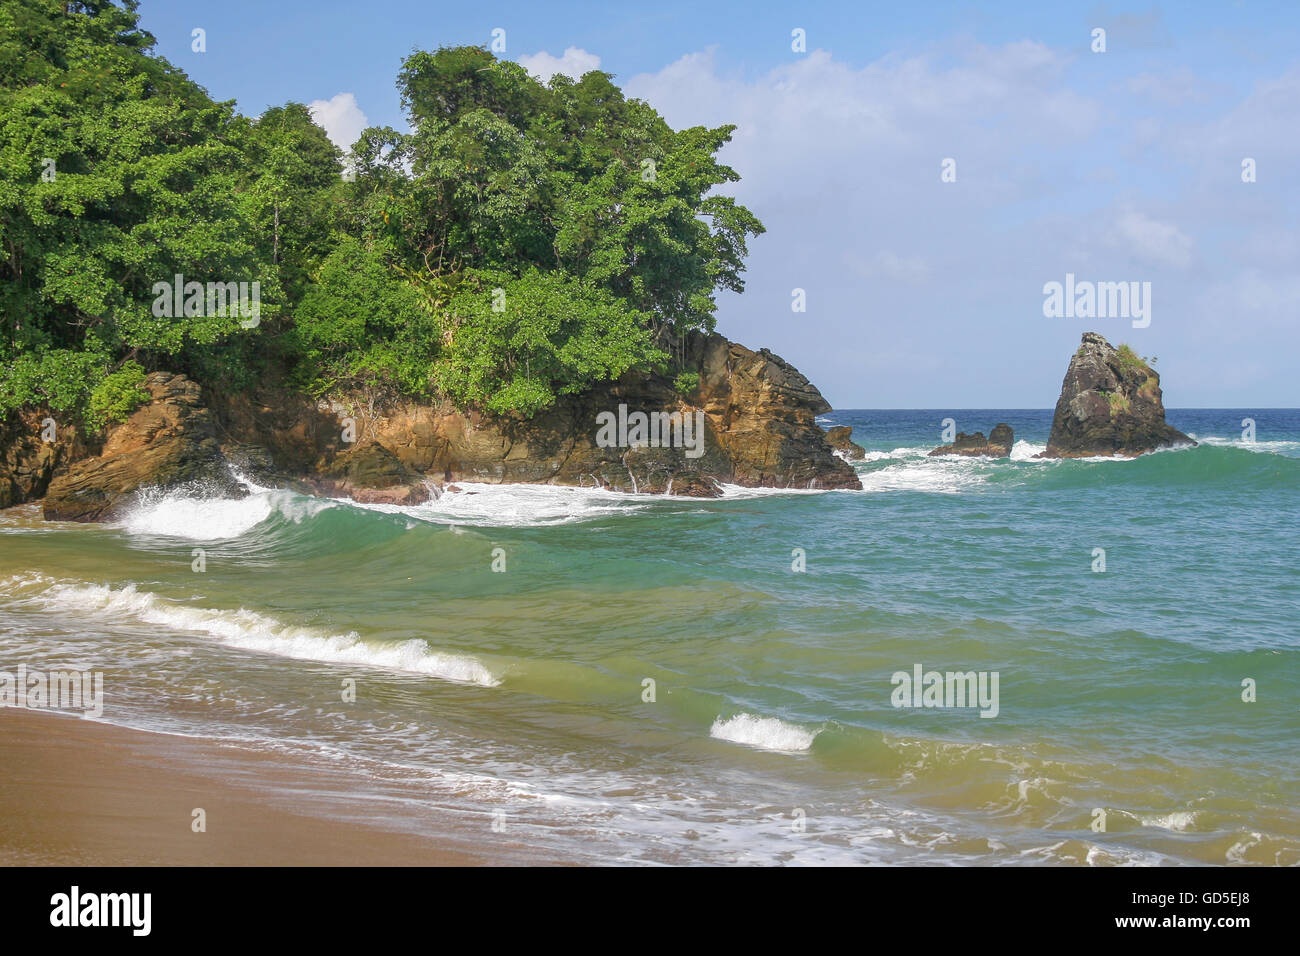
(75, 792)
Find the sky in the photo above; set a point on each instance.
(924, 170)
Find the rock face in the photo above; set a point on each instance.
(997, 445)
(750, 421)
(28, 461)
(841, 440)
(1002, 436)
(752, 418)
(168, 441)
(1110, 405)
(371, 474)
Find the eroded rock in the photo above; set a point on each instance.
(1110, 405)
(753, 419)
(841, 441)
(168, 442)
(997, 445)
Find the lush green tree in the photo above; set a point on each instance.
(292, 185)
(522, 242)
(510, 176)
(514, 344)
(442, 86)
(360, 326)
(116, 172)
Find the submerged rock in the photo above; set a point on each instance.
(997, 445)
(1110, 405)
(840, 440)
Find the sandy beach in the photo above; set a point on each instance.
(89, 793)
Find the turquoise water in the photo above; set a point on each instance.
(521, 695)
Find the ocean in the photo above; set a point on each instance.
(640, 679)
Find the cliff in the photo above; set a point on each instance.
(750, 421)
(169, 441)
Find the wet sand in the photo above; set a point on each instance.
(76, 792)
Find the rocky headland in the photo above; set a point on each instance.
(758, 414)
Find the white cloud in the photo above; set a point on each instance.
(1257, 126)
(1153, 241)
(845, 159)
(341, 118)
(574, 63)
(1109, 181)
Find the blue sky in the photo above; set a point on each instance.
(1115, 166)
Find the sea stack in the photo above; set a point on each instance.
(1110, 405)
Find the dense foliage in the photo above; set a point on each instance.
(522, 242)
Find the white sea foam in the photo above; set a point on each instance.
(248, 630)
(521, 505)
(182, 513)
(940, 475)
(1177, 821)
(1064, 851)
(740, 492)
(895, 454)
(1237, 852)
(765, 733)
(1025, 451)
(887, 455)
(1259, 447)
(200, 519)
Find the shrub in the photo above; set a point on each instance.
(116, 396)
(687, 382)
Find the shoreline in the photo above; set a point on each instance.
(95, 794)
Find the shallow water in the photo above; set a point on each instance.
(772, 735)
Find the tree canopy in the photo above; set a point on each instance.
(522, 242)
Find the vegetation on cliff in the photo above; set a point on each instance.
(522, 242)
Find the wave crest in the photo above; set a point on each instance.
(765, 733)
(246, 630)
